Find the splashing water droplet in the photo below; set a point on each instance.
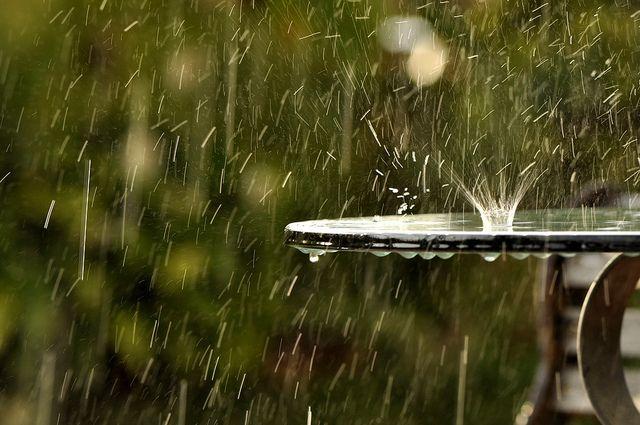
(497, 219)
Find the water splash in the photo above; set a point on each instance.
(499, 218)
(497, 208)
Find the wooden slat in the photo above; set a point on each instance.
(629, 340)
(571, 396)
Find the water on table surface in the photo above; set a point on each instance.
(541, 233)
(566, 220)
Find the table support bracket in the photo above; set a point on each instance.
(599, 330)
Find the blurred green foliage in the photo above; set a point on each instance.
(206, 127)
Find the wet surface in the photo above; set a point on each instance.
(542, 232)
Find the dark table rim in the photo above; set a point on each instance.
(467, 241)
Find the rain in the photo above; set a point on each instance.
(153, 152)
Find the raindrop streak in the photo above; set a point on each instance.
(85, 213)
(46, 220)
(182, 409)
(462, 382)
(45, 396)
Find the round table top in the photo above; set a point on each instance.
(546, 232)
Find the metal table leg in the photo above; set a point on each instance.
(599, 329)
